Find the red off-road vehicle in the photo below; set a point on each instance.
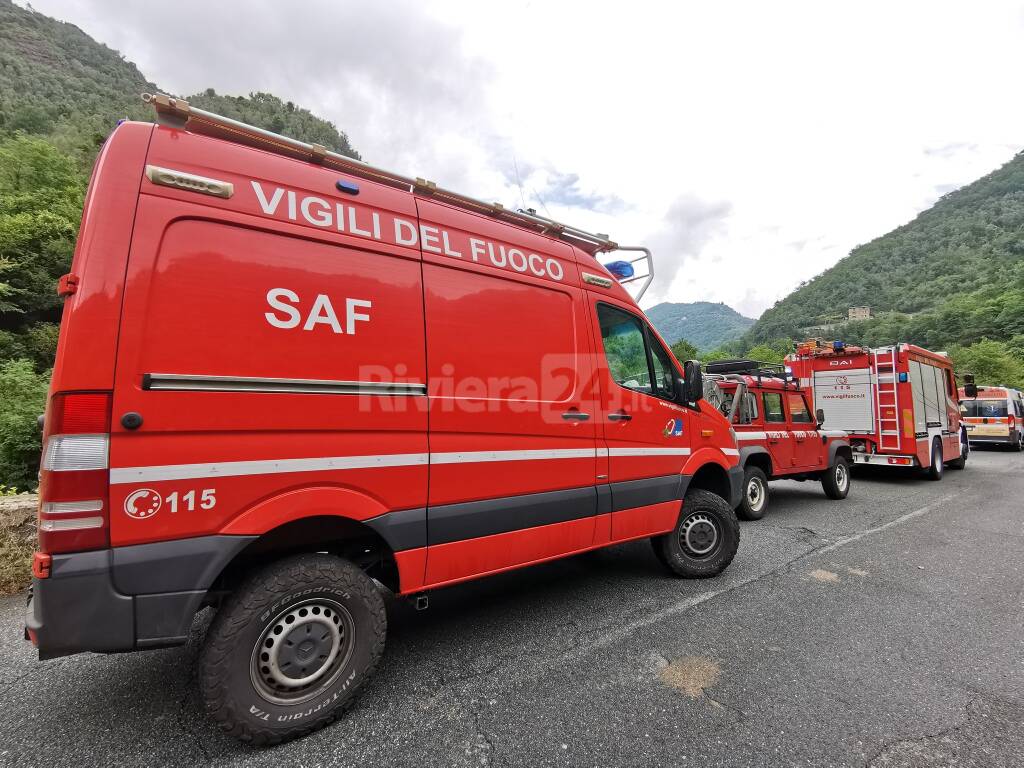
(777, 434)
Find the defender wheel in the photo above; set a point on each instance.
(291, 648)
(1019, 445)
(835, 480)
(754, 501)
(934, 472)
(704, 540)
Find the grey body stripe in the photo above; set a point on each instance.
(200, 383)
(447, 523)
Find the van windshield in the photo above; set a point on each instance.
(985, 408)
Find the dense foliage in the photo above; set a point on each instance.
(953, 275)
(702, 323)
(23, 394)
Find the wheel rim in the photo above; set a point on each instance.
(699, 535)
(937, 459)
(755, 494)
(302, 651)
(842, 476)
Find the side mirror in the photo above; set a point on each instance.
(819, 415)
(970, 388)
(694, 389)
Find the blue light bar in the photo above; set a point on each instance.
(622, 270)
(838, 346)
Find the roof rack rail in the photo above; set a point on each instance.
(750, 368)
(178, 113)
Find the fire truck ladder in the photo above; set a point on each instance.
(178, 113)
(886, 398)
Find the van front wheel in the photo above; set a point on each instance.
(704, 540)
(291, 648)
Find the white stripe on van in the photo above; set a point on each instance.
(122, 475)
(648, 451)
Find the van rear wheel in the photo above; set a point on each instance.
(704, 540)
(291, 648)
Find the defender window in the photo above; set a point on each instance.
(635, 359)
(773, 407)
(798, 411)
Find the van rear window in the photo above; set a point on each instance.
(991, 409)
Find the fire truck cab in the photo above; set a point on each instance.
(898, 403)
(285, 378)
(778, 434)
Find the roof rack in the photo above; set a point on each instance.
(178, 113)
(743, 367)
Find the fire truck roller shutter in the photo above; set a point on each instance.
(845, 397)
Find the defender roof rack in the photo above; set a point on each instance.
(750, 368)
(178, 113)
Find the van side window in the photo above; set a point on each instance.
(798, 411)
(664, 378)
(635, 360)
(773, 407)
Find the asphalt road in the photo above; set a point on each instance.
(886, 630)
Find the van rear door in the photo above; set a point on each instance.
(263, 352)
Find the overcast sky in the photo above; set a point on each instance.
(751, 145)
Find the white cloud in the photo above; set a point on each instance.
(754, 144)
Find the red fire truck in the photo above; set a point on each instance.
(285, 378)
(898, 403)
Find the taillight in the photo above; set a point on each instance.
(74, 475)
(1011, 420)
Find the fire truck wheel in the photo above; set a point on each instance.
(754, 501)
(704, 540)
(290, 650)
(835, 481)
(934, 472)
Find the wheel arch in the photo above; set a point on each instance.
(331, 519)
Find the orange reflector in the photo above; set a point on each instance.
(41, 563)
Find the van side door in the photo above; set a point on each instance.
(647, 433)
(512, 403)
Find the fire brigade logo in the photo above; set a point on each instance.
(674, 428)
(142, 504)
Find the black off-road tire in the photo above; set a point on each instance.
(701, 512)
(754, 499)
(835, 480)
(296, 599)
(935, 471)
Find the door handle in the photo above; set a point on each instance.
(575, 416)
(619, 416)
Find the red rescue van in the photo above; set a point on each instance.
(898, 403)
(285, 378)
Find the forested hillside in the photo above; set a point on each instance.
(61, 94)
(704, 324)
(952, 276)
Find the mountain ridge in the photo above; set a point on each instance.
(706, 325)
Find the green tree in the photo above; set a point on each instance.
(684, 350)
(991, 362)
(41, 192)
(23, 394)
